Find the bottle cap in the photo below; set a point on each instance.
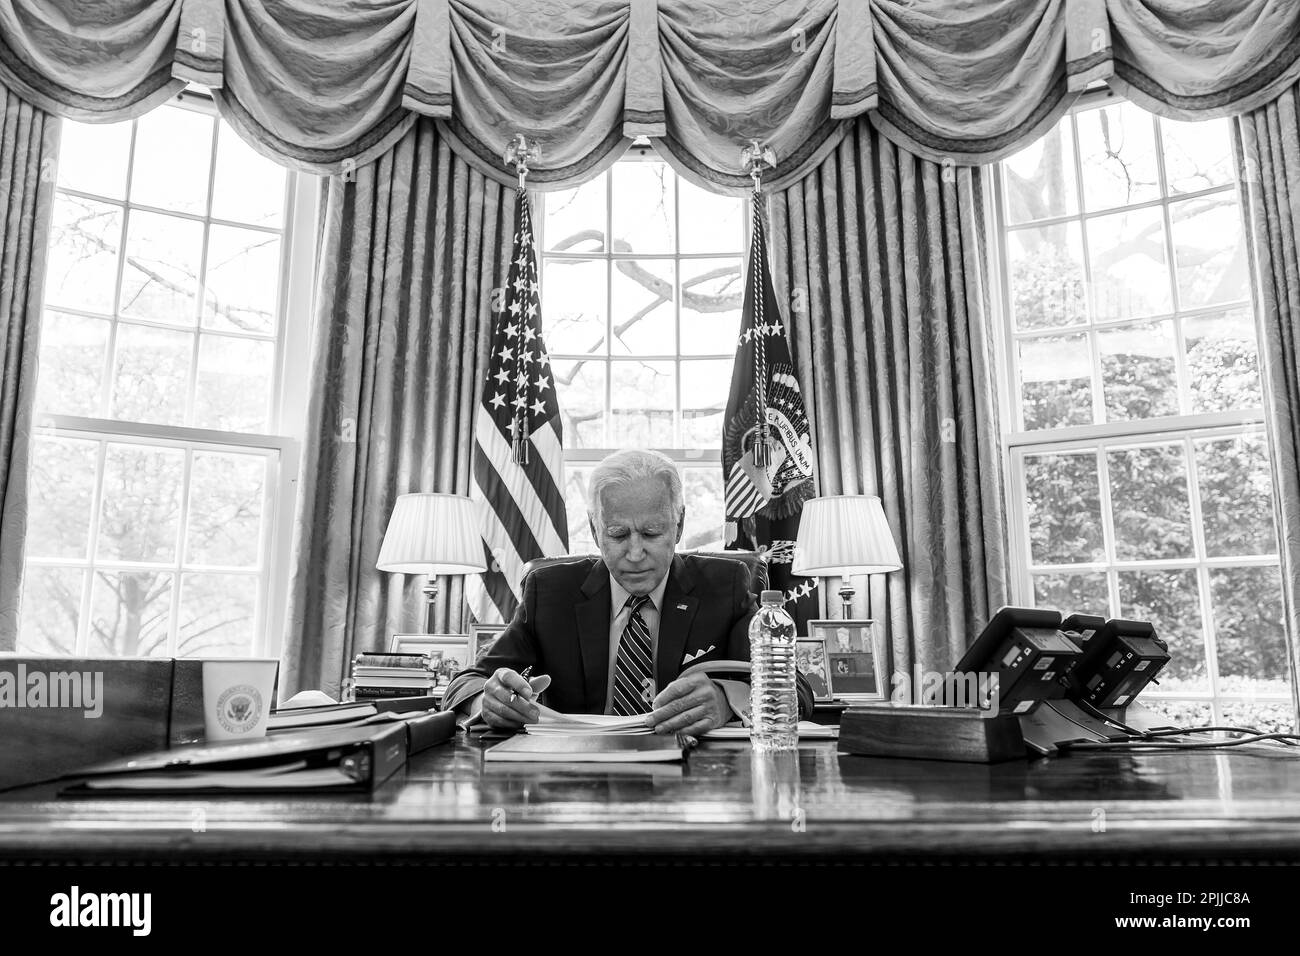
(773, 597)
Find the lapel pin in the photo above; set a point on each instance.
(681, 607)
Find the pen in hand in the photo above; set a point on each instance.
(527, 670)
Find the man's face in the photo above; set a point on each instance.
(637, 533)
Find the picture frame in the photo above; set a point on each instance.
(854, 658)
(810, 659)
(448, 653)
(481, 639)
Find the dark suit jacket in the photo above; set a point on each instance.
(561, 628)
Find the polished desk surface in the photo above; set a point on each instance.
(725, 801)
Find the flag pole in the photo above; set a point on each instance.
(519, 152)
(755, 157)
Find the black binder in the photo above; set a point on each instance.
(344, 759)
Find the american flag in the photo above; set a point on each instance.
(518, 441)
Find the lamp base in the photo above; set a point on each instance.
(846, 595)
(430, 596)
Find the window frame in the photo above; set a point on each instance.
(683, 456)
(1187, 426)
(282, 446)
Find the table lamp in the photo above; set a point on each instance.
(432, 534)
(840, 535)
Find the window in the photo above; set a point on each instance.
(642, 282)
(1139, 482)
(161, 480)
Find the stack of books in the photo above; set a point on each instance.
(376, 676)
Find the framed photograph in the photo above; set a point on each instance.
(853, 659)
(810, 658)
(448, 653)
(481, 639)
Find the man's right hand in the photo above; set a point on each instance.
(499, 711)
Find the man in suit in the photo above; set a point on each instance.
(616, 635)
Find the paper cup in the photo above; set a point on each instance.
(237, 697)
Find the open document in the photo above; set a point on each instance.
(555, 724)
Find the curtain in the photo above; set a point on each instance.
(880, 258)
(1267, 141)
(411, 250)
(29, 146)
(328, 87)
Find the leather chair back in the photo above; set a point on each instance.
(757, 566)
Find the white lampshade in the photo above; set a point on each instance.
(844, 534)
(432, 534)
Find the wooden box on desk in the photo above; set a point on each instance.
(60, 713)
(931, 733)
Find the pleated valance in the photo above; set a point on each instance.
(326, 85)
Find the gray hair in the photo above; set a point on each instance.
(634, 464)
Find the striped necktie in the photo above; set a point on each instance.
(634, 682)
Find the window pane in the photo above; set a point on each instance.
(62, 486)
(1236, 495)
(1269, 717)
(575, 506)
(1040, 180)
(242, 280)
(140, 513)
(641, 404)
(575, 218)
(704, 399)
(1064, 506)
(160, 279)
(712, 292)
(1148, 494)
(234, 386)
(225, 517)
(710, 222)
(1170, 600)
(93, 157)
(1117, 146)
(218, 615)
(1222, 361)
(130, 613)
(51, 610)
(643, 320)
(1046, 276)
(151, 371)
(643, 208)
(702, 494)
(1197, 154)
(1249, 633)
(248, 187)
(73, 353)
(173, 154)
(1130, 274)
(573, 306)
(1072, 593)
(1209, 251)
(1139, 376)
(1179, 713)
(85, 237)
(580, 387)
(1056, 381)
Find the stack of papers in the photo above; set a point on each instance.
(807, 731)
(555, 724)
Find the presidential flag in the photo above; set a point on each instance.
(767, 455)
(518, 441)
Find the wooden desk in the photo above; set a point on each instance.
(725, 802)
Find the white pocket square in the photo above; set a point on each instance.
(698, 654)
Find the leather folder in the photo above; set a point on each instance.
(344, 759)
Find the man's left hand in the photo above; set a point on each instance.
(691, 705)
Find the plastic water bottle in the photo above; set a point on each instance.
(773, 699)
